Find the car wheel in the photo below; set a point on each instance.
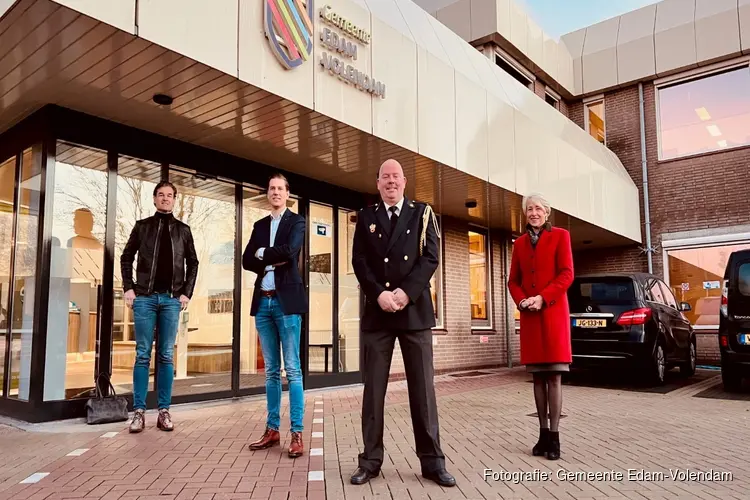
(731, 379)
(657, 366)
(688, 368)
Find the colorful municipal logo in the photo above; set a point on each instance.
(289, 30)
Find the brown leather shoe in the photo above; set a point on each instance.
(296, 448)
(138, 422)
(164, 422)
(269, 438)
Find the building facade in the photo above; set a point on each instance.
(99, 101)
(665, 88)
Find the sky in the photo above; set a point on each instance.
(558, 17)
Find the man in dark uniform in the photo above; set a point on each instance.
(394, 256)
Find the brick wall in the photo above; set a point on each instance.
(458, 347)
(564, 108)
(575, 113)
(617, 260)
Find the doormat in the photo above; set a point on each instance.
(471, 374)
(562, 415)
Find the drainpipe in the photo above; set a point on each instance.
(644, 170)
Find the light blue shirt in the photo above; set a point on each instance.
(269, 283)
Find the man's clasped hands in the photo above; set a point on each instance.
(393, 301)
(532, 303)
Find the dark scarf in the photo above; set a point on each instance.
(535, 236)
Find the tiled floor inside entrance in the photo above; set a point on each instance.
(487, 428)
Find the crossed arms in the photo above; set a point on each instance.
(276, 255)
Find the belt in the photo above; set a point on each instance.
(268, 293)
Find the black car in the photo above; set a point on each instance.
(631, 320)
(734, 321)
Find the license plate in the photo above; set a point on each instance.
(744, 338)
(590, 323)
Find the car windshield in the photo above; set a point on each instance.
(602, 290)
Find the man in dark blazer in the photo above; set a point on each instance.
(279, 300)
(395, 253)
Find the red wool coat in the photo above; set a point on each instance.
(546, 270)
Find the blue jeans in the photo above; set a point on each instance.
(149, 311)
(278, 330)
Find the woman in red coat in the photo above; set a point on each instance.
(541, 272)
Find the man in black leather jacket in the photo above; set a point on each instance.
(162, 288)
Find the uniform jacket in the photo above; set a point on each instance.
(546, 270)
(290, 236)
(144, 240)
(384, 261)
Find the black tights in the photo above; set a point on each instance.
(548, 392)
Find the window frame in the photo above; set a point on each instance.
(548, 92)
(480, 325)
(684, 78)
(592, 101)
(510, 61)
(696, 243)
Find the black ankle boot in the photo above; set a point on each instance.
(553, 450)
(543, 444)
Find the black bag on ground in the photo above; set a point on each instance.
(105, 410)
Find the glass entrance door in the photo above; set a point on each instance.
(333, 339)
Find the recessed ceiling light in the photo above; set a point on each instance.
(713, 130)
(722, 143)
(703, 114)
(163, 99)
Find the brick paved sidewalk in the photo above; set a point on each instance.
(486, 422)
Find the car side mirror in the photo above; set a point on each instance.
(685, 307)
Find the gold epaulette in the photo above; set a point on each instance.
(425, 221)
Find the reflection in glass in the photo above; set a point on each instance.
(707, 114)
(320, 358)
(7, 190)
(252, 374)
(76, 261)
(478, 277)
(25, 273)
(595, 120)
(136, 181)
(203, 350)
(348, 335)
(695, 277)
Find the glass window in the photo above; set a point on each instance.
(136, 180)
(653, 292)
(320, 353)
(25, 272)
(706, 114)
(695, 277)
(348, 294)
(203, 347)
(436, 284)
(7, 192)
(667, 294)
(604, 290)
(744, 280)
(79, 218)
(512, 71)
(594, 116)
(551, 100)
(478, 278)
(252, 367)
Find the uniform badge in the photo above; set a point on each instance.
(372, 228)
